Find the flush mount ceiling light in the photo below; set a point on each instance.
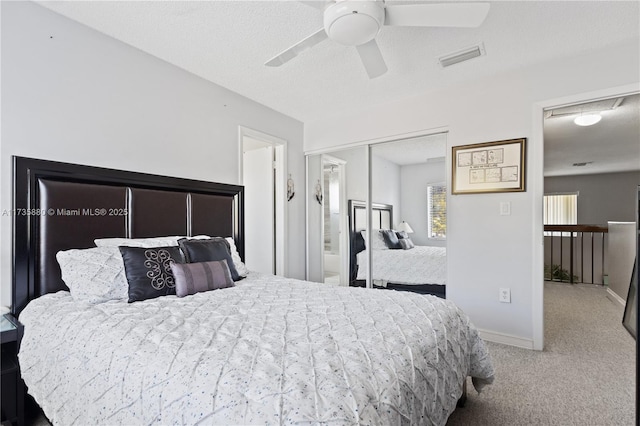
(587, 119)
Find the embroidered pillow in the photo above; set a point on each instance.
(216, 248)
(192, 278)
(148, 271)
(94, 275)
(390, 238)
(406, 244)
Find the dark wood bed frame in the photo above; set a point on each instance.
(59, 206)
(382, 219)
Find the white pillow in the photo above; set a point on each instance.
(170, 241)
(377, 240)
(237, 261)
(143, 242)
(94, 275)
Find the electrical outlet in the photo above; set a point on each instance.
(505, 295)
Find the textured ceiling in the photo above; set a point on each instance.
(228, 42)
(613, 144)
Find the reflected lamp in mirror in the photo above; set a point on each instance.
(404, 226)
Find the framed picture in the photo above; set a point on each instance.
(489, 167)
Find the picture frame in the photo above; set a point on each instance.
(498, 166)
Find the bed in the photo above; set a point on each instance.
(421, 269)
(268, 349)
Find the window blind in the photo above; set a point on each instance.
(561, 209)
(437, 211)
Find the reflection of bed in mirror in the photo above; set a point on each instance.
(421, 269)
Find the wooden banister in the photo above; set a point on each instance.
(573, 232)
(576, 228)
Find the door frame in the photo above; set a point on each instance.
(536, 152)
(280, 197)
(343, 224)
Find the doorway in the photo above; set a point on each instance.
(263, 174)
(596, 171)
(334, 233)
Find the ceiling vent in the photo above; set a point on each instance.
(462, 55)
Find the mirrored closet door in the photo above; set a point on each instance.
(405, 183)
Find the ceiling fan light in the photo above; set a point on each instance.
(353, 23)
(587, 119)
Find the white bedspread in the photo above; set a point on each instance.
(268, 351)
(419, 265)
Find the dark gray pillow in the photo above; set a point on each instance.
(402, 234)
(194, 278)
(208, 250)
(148, 271)
(406, 244)
(390, 238)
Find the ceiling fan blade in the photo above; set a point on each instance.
(468, 15)
(297, 49)
(372, 59)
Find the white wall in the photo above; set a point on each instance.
(487, 251)
(414, 180)
(621, 249)
(72, 94)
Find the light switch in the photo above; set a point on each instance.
(505, 208)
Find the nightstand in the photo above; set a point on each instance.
(12, 405)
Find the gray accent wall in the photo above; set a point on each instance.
(602, 197)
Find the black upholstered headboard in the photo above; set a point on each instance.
(381, 218)
(59, 206)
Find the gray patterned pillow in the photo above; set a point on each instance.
(216, 248)
(406, 243)
(149, 271)
(390, 238)
(94, 275)
(192, 278)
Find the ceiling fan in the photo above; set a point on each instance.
(357, 22)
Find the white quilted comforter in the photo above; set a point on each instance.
(268, 351)
(420, 265)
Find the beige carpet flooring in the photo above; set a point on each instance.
(585, 375)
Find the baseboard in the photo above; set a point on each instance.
(506, 339)
(611, 295)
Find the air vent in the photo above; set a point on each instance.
(462, 55)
